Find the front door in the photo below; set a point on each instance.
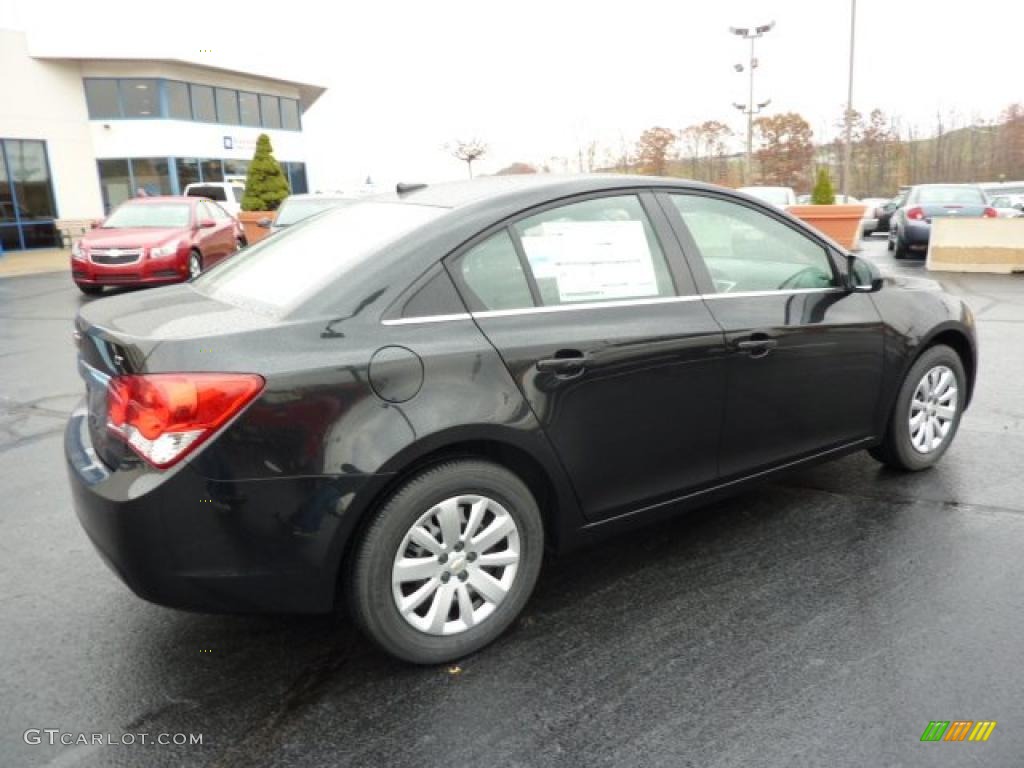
(804, 355)
(621, 362)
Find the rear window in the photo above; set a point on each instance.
(957, 195)
(211, 192)
(276, 274)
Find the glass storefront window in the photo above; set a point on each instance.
(41, 235)
(236, 167)
(150, 174)
(296, 177)
(30, 177)
(227, 106)
(188, 172)
(250, 108)
(139, 98)
(290, 114)
(212, 170)
(6, 195)
(202, 104)
(115, 182)
(102, 99)
(27, 204)
(179, 107)
(271, 111)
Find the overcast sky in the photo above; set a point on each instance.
(536, 79)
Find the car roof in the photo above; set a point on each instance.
(523, 189)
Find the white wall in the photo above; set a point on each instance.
(181, 138)
(45, 100)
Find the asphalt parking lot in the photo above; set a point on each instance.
(822, 620)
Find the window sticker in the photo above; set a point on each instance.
(592, 260)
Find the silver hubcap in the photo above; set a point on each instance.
(455, 565)
(933, 409)
(194, 267)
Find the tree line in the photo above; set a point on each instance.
(885, 154)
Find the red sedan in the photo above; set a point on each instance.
(153, 241)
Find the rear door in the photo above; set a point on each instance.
(212, 239)
(225, 228)
(804, 355)
(595, 315)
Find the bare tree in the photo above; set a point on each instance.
(468, 152)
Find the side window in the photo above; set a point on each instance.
(746, 250)
(597, 250)
(204, 211)
(492, 273)
(216, 211)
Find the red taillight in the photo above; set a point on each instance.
(164, 416)
(990, 213)
(916, 214)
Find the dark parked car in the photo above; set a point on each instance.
(911, 225)
(406, 402)
(885, 212)
(154, 241)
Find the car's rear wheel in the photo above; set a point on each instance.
(195, 265)
(927, 411)
(891, 242)
(900, 247)
(90, 290)
(240, 243)
(449, 561)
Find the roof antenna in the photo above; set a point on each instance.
(404, 189)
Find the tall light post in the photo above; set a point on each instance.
(751, 109)
(848, 146)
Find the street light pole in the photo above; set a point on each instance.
(750, 109)
(848, 147)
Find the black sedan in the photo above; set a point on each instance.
(404, 402)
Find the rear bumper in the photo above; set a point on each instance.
(182, 540)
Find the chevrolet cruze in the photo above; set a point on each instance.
(404, 402)
(154, 241)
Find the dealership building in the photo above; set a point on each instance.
(81, 133)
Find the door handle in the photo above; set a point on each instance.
(566, 362)
(756, 347)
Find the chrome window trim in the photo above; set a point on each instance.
(428, 319)
(755, 294)
(604, 305)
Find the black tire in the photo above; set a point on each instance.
(240, 243)
(90, 290)
(900, 250)
(370, 569)
(889, 243)
(896, 449)
(194, 254)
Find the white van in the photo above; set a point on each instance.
(227, 193)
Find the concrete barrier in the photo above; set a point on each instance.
(976, 245)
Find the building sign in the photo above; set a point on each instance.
(237, 142)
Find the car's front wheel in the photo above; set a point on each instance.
(195, 265)
(448, 562)
(927, 411)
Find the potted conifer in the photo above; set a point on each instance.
(265, 188)
(840, 222)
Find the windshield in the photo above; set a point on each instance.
(292, 211)
(955, 195)
(165, 215)
(276, 274)
(773, 195)
(213, 193)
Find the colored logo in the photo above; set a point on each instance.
(958, 730)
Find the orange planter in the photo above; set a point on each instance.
(250, 221)
(840, 222)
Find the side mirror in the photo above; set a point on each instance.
(264, 223)
(862, 276)
(207, 223)
(95, 223)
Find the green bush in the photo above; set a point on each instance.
(823, 193)
(265, 184)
